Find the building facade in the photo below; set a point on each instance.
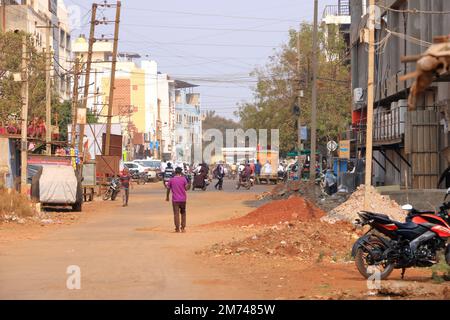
(32, 16)
(410, 147)
(188, 130)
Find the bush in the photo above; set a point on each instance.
(13, 203)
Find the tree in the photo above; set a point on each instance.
(214, 121)
(279, 82)
(10, 63)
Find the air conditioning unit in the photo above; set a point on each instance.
(358, 95)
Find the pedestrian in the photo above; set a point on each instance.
(258, 168)
(178, 185)
(125, 182)
(330, 182)
(267, 169)
(219, 173)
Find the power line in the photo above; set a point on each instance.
(412, 11)
(213, 15)
(203, 28)
(208, 44)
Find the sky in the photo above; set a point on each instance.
(214, 44)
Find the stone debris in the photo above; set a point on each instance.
(348, 211)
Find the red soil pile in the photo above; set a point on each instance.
(292, 209)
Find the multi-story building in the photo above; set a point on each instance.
(32, 16)
(409, 146)
(337, 19)
(144, 100)
(188, 131)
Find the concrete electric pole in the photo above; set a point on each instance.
(370, 98)
(48, 91)
(312, 168)
(24, 141)
(75, 102)
(113, 78)
(87, 76)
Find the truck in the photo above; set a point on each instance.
(54, 182)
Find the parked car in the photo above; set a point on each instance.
(152, 167)
(58, 185)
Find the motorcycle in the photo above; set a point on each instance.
(199, 182)
(390, 244)
(246, 183)
(140, 178)
(113, 189)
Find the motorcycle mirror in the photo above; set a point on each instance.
(407, 207)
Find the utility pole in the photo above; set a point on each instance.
(75, 102)
(113, 78)
(24, 141)
(48, 92)
(299, 96)
(3, 15)
(159, 131)
(370, 98)
(312, 168)
(88, 73)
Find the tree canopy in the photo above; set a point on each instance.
(280, 81)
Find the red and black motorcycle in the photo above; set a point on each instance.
(390, 244)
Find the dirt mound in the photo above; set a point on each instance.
(293, 209)
(310, 241)
(307, 190)
(348, 211)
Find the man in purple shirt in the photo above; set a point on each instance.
(178, 185)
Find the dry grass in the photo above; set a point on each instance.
(13, 203)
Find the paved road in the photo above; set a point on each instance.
(128, 253)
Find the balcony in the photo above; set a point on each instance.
(337, 14)
(388, 127)
(342, 9)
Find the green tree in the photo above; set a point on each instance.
(280, 80)
(11, 63)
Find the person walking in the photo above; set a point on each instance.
(258, 168)
(178, 185)
(125, 182)
(219, 173)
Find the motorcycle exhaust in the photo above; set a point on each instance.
(416, 242)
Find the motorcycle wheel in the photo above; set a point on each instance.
(107, 195)
(114, 195)
(364, 260)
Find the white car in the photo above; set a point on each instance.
(134, 166)
(151, 167)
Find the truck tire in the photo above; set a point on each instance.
(35, 194)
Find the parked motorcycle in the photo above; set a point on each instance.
(113, 189)
(390, 244)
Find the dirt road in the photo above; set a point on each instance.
(127, 253)
(133, 253)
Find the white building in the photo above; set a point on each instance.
(31, 16)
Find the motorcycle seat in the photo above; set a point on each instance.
(408, 225)
(414, 211)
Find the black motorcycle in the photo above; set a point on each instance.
(113, 189)
(140, 178)
(390, 244)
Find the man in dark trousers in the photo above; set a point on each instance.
(219, 173)
(125, 182)
(178, 185)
